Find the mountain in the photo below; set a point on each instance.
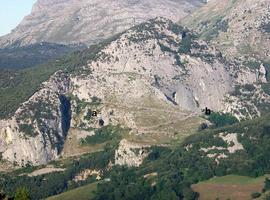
(154, 79)
(89, 22)
(128, 114)
(239, 28)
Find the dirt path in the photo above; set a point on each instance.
(135, 107)
(167, 123)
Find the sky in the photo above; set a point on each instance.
(12, 13)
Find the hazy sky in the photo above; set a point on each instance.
(12, 12)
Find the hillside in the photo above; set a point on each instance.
(166, 173)
(32, 55)
(115, 100)
(239, 28)
(153, 79)
(89, 22)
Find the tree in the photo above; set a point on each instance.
(164, 195)
(22, 194)
(267, 184)
(202, 126)
(255, 195)
(189, 194)
(221, 119)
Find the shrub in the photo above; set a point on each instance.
(266, 27)
(88, 115)
(102, 135)
(252, 64)
(22, 194)
(266, 88)
(95, 101)
(185, 45)
(202, 126)
(249, 87)
(266, 184)
(177, 58)
(255, 195)
(221, 119)
(27, 129)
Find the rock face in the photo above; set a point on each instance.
(237, 28)
(36, 132)
(130, 154)
(221, 152)
(90, 21)
(156, 66)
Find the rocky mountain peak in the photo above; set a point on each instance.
(90, 21)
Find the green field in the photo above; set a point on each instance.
(232, 187)
(236, 180)
(82, 193)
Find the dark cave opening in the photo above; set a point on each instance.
(65, 108)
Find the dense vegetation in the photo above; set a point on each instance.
(51, 184)
(103, 134)
(177, 169)
(222, 119)
(170, 172)
(32, 55)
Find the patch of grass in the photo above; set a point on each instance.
(103, 134)
(236, 180)
(230, 187)
(83, 193)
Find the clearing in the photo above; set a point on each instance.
(82, 193)
(231, 187)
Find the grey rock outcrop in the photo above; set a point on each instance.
(35, 133)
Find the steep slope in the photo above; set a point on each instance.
(88, 22)
(237, 27)
(154, 79)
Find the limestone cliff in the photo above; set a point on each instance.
(37, 131)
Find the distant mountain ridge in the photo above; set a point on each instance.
(237, 27)
(89, 22)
